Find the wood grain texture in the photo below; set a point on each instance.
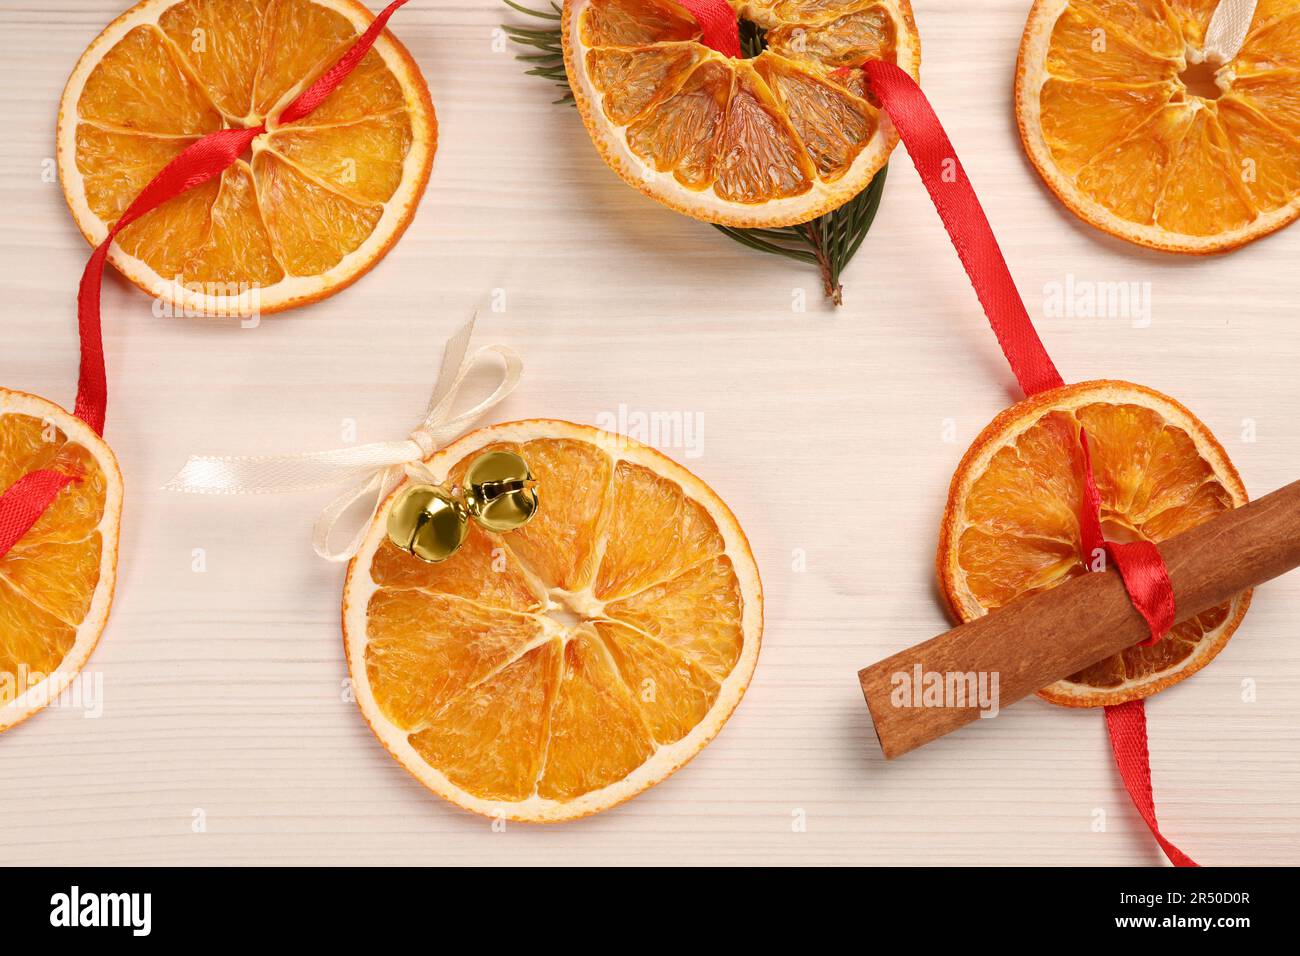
(223, 690)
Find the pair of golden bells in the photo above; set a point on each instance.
(431, 521)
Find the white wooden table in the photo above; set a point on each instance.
(223, 709)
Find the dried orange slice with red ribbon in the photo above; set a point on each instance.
(773, 139)
(1012, 527)
(309, 208)
(56, 580)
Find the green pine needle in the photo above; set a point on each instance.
(828, 243)
(548, 62)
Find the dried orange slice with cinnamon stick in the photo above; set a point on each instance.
(1011, 525)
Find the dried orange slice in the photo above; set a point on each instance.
(554, 671)
(1141, 136)
(56, 583)
(1011, 526)
(773, 140)
(314, 204)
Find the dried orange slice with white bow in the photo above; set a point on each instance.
(56, 582)
(772, 140)
(554, 671)
(1011, 526)
(314, 204)
(1141, 136)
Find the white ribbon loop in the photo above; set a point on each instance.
(381, 466)
(1227, 30)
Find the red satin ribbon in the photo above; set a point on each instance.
(1139, 562)
(1145, 576)
(1140, 565)
(967, 226)
(1127, 724)
(719, 23)
(26, 500)
(1142, 569)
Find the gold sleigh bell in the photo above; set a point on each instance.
(430, 522)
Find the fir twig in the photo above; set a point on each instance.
(548, 62)
(828, 242)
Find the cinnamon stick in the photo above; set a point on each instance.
(1042, 638)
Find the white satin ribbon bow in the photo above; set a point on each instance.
(1227, 30)
(381, 466)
